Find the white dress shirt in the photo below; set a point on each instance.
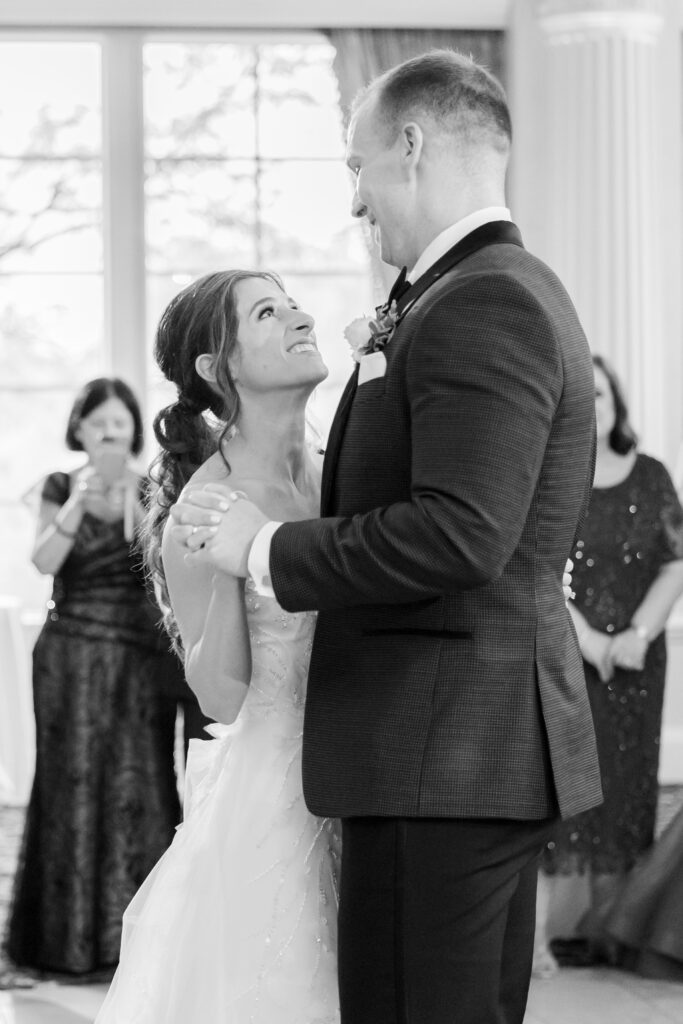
(259, 556)
(440, 245)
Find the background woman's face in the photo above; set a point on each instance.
(110, 423)
(605, 414)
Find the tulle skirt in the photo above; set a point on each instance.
(236, 924)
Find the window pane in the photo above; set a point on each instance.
(299, 112)
(41, 425)
(288, 209)
(51, 215)
(200, 215)
(50, 99)
(40, 422)
(306, 216)
(160, 291)
(51, 260)
(199, 100)
(50, 330)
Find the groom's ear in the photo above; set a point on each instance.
(411, 142)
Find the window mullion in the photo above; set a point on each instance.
(124, 212)
(258, 182)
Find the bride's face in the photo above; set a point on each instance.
(277, 347)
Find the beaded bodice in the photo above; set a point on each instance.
(280, 650)
(632, 529)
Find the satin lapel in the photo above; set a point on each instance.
(494, 233)
(497, 232)
(334, 442)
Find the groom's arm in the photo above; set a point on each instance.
(484, 384)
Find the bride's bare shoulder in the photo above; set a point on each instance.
(189, 586)
(213, 471)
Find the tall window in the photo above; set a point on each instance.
(243, 167)
(51, 270)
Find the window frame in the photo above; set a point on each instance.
(125, 328)
(123, 175)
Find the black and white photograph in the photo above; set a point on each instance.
(341, 508)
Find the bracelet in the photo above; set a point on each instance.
(641, 631)
(65, 533)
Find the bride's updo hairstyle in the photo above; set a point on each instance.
(200, 319)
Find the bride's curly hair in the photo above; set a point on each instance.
(200, 319)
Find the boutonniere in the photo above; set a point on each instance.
(368, 334)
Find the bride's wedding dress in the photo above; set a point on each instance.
(236, 924)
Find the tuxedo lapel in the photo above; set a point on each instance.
(497, 232)
(494, 233)
(334, 441)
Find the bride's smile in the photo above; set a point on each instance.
(273, 335)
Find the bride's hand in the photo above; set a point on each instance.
(217, 527)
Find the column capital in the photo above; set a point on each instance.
(566, 21)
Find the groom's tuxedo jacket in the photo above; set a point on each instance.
(445, 677)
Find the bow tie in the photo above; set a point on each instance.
(399, 287)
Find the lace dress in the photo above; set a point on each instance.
(104, 802)
(631, 531)
(237, 922)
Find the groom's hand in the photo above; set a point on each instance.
(216, 526)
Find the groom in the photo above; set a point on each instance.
(447, 721)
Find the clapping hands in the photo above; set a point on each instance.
(110, 501)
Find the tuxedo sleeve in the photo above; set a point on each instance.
(485, 378)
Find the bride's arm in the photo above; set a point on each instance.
(209, 609)
(218, 663)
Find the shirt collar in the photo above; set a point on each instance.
(454, 234)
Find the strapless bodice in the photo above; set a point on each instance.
(280, 649)
(243, 905)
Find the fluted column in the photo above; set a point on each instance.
(595, 182)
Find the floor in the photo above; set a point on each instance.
(574, 996)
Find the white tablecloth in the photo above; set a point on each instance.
(17, 726)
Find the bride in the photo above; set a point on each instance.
(237, 922)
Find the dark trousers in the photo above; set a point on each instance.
(194, 722)
(436, 919)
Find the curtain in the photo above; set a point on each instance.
(362, 54)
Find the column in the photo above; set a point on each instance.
(596, 96)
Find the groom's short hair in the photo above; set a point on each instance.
(458, 95)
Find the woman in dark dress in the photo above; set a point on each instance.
(628, 573)
(104, 802)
